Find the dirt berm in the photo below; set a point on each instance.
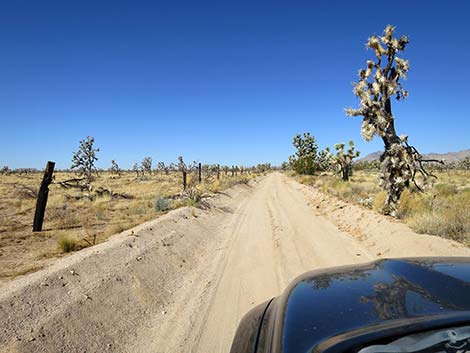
(182, 282)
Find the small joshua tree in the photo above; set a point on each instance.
(181, 164)
(114, 169)
(6, 170)
(147, 165)
(378, 83)
(324, 160)
(136, 169)
(83, 161)
(162, 167)
(343, 160)
(304, 161)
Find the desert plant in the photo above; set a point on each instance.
(377, 84)
(5, 170)
(147, 165)
(83, 160)
(162, 204)
(163, 168)
(464, 164)
(114, 169)
(67, 244)
(136, 169)
(304, 161)
(343, 160)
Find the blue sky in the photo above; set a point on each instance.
(218, 81)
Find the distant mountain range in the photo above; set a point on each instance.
(448, 157)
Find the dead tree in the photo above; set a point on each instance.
(378, 83)
(42, 197)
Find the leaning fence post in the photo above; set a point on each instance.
(42, 197)
(184, 179)
(199, 171)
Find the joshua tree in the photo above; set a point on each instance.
(6, 170)
(343, 160)
(181, 165)
(378, 83)
(162, 167)
(304, 161)
(147, 165)
(324, 160)
(136, 169)
(83, 161)
(465, 163)
(114, 169)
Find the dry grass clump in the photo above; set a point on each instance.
(447, 216)
(67, 244)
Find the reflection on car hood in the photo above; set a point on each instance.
(324, 304)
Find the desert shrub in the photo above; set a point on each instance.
(214, 187)
(411, 203)
(379, 200)
(137, 208)
(340, 188)
(449, 217)
(244, 180)
(194, 194)
(306, 179)
(444, 190)
(67, 244)
(162, 204)
(116, 229)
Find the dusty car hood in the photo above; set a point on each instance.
(319, 305)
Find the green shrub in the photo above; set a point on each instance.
(162, 204)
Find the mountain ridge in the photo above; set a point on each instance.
(449, 157)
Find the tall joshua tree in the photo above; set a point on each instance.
(83, 160)
(343, 159)
(378, 83)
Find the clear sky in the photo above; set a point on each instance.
(218, 81)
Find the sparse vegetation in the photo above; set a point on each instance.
(442, 210)
(79, 217)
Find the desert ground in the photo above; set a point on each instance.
(182, 282)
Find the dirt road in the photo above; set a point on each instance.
(183, 282)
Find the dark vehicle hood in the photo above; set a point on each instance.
(326, 306)
(320, 305)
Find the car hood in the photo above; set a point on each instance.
(323, 304)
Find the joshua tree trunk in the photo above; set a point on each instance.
(345, 173)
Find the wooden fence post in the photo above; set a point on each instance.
(218, 171)
(200, 172)
(42, 197)
(184, 179)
